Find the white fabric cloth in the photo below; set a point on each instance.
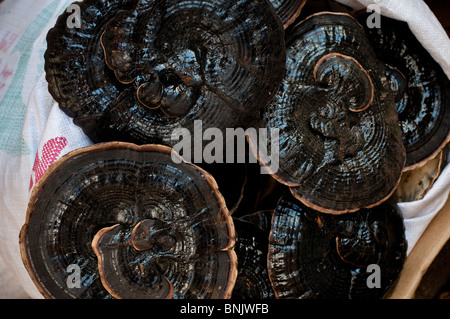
(34, 132)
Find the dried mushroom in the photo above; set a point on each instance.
(136, 224)
(416, 183)
(137, 70)
(421, 88)
(340, 143)
(288, 10)
(251, 249)
(315, 255)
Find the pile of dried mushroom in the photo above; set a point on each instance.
(356, 110)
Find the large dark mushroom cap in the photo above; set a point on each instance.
(340, 145)
(135, 223)
(137, 70)
(421, 87)
(316, 255)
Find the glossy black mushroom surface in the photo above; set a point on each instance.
(288, 10)
(134, 223)
(340, 145)
(315, 255)
(137, 70)
(251, 248)
(421, 88)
